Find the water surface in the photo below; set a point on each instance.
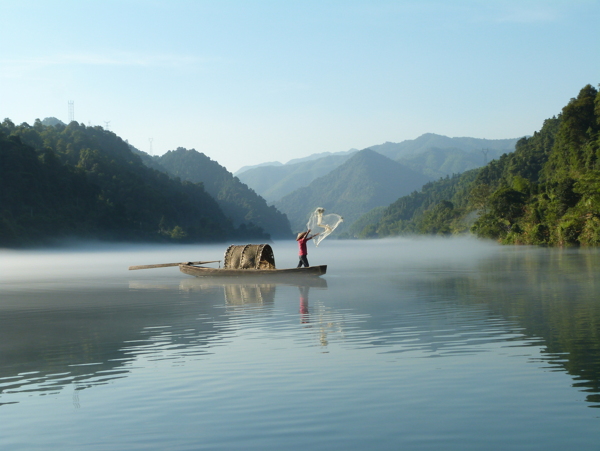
(404, 344)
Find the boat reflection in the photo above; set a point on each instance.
(304, 291)
(246, 291)
(250, 292)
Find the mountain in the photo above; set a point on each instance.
(546, 192)
(74, 181)
(317, 156)
(404, 149)
(367, 180)
(436, 163)
(432, 155)
(247, 168)
(274, 182)
(439, 208)
(314, 156)
(237, 201)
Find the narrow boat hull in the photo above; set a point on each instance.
(200, 271)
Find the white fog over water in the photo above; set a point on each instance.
(83, 262)
(407, 343)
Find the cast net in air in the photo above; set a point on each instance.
(322, 224)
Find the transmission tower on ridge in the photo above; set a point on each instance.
(150, 139)
(71, 111)
(485, 152)
(106, 124)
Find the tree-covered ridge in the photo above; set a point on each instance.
(546, 192)
(37, 192)
(428, 141)
(551, 194)
(367, 180)
(436, 163)
(77, 181)
(237, 201)
(440, 207)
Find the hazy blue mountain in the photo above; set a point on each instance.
(247, 168)
(274, 182)
(237, 201)
(435, 163)
(403, 149)
(367, 180)
(433, 155)
(314, 156)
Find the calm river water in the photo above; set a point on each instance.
(405, 344)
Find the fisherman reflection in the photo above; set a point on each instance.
(304, 318)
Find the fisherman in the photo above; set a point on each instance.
(302, 238)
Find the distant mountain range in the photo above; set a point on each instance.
(432, 155)
(365, 181)
(349, 183)
(314, 156)
(410, 147)
(274, 182)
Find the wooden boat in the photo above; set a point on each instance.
(246, 261)
(203, 271)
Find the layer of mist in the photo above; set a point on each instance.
(85, 264)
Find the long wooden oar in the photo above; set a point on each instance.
(164, 265)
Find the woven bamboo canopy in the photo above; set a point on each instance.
(249, 256)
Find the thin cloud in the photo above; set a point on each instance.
(19, 66)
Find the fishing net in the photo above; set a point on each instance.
(322, 224)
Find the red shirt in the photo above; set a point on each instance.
(302, 247)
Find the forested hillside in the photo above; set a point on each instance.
(84, 182)
(367, 180)
(237, 201)
(546, 192)
(438, 208)
(436, 163)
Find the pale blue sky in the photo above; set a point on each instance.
(252, 81)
